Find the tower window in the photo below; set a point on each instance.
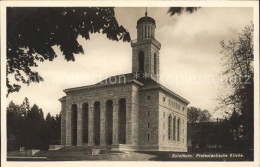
(148, 98)
(141, 61)
(148, 137)
(155, 63)
(148, 125)
(148, 113)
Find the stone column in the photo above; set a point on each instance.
(68, 126)
(135, 124)
(175, 128)
(153, 29)
(143, 31)
(150, 31)
(147, 31)
(115, 123)
(79, 126)
(138, 32)
(102, 124)
(63, 120)
(90, 124)
(128, 123)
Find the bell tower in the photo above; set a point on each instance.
(145, 49)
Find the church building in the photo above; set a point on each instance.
(130, 111)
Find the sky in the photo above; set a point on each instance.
(190, 58)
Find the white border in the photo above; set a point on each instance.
(253, 4)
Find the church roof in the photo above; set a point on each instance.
(144, 83)
(145, 19)
(124, 78)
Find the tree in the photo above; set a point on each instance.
(32, 32)
(238, 58)
(179, 10)
(198, 115)
(15, 122)
(25, 106)
(31, 130)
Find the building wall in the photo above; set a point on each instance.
(149, 49)
(166, 108)
(148, 113)
(143, 107)
(114, 93)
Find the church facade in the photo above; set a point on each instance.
(129, 111)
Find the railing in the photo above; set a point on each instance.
(146, 39)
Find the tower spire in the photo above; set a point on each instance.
(146, 11)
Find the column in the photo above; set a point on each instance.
(135, 123)
(138, 32)
(147, 28)
(102, 124)
(63, 127)
(115, 123)
(149, 31)
(68, 126)
(63, 121)
(128, 123)
(143, 29)
(90, 124)
(153, 31)
(79, 126)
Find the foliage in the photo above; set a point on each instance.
(31, 130)
(238, 58)
(179, 10)
(32, 32)
(198, 115)
(218, 133)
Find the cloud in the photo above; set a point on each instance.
(190, 47)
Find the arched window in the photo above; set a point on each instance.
(174, 128)
(109, 122)
(141, 61)
(74, 118)
(155, 63)
(169, 126)
(85, 122)
(122, 121)
(178, 129)
(96, 127)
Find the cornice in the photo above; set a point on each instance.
(98, 86)
(166, 90)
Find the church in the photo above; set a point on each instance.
(130, 111)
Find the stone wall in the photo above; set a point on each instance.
(148, 113)
(115, 93)
(165, 109)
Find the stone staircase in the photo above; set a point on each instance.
(84, 153)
